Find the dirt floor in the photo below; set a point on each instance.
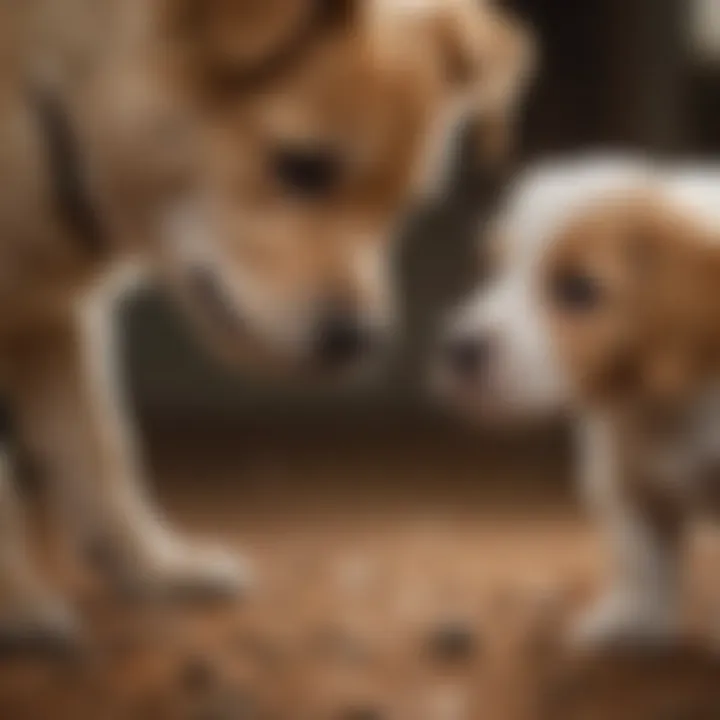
(396, 579)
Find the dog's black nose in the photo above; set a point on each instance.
(466, 355)
(341, 339)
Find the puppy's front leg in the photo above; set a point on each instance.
(72, 421)
(642, 604)
(30, 613)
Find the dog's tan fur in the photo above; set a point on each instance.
(177, 104)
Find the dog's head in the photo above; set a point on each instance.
(615, 308)
(321, 123)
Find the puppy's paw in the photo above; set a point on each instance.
(38, 624)
(162, 566)
(617, 622)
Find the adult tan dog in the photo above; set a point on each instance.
(256, 156)
(607, 304)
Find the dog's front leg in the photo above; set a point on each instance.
(30, 613)
(71, 418)
(644, 540)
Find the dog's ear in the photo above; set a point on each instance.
(674, 272)
(238, 39)
(491, 56)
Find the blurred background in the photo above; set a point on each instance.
(643, 74)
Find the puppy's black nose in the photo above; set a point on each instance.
(341, 339)
(467, 355)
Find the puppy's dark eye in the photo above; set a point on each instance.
(575, 291)
(307, 172)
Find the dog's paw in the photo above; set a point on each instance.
(616, 622)
(37, 624)
(162, 566)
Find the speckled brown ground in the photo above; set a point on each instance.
(399, 577)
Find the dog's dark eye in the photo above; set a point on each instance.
(307, 172)
(575, 291)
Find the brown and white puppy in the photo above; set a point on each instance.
(606, 304)
(256, 156)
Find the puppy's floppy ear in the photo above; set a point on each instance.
(490, 56)
(240, 38)
(510, 64)
(674, 277)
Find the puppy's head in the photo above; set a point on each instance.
(631, 303)
(619, 309)
(320, 124)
